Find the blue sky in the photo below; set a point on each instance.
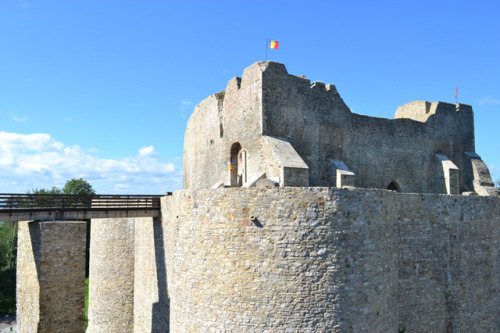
(103, 89)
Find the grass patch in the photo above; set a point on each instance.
(86, 302)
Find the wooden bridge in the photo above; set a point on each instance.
(46, 207)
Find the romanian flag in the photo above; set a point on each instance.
(273, 44)
(229, 166)
(456, 92)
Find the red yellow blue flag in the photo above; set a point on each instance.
(274, 44)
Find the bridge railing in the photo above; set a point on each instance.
(33, 202)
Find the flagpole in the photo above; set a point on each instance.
(267, 41)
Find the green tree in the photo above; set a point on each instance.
(53, 190)
(39, 201)
(8, 244)
(78, 186)
(8, 251)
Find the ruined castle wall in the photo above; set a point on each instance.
(267, 101)
(320, 127)
(111, 276)
(317, 259)
(51, 276)
(218, 122)
(150, 279)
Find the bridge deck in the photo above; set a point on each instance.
(40, 207)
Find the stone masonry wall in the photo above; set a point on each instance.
(323, 259)
(111, 276)
(51, 276)
(150, 278)
(218, 122)
(320, 126)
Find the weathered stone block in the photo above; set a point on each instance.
(450, 173)
(344, 175)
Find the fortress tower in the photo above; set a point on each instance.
(271, 125)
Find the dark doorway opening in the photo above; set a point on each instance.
(235, 178)
(393, 186)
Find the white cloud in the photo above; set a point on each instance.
(17, 118)
(20, 119)
(185, 107)
(147, 151)
(39, 161)
(489, 100)
(185, 104)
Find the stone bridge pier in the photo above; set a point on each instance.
(51, 276)
(111, 275)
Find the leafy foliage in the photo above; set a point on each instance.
(53, 190)
(8, 251)
(72, 187)
(78, 186)
(40, 201)
(86, 302)
(8, 244)
(8, 291)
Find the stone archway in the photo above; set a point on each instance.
(238, 162)
(236, 180)
(393, 186)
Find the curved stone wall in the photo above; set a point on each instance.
(324, 259)
(301, 265)
(111, 276)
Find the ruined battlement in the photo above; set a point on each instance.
(227, 140)
(422, 110)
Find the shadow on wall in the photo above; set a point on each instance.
(36, 244)
(161, 309)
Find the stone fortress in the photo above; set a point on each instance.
(297, 215)
(280, 127)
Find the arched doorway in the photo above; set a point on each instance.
(393, 186)
(238, 162)
(233, 161)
